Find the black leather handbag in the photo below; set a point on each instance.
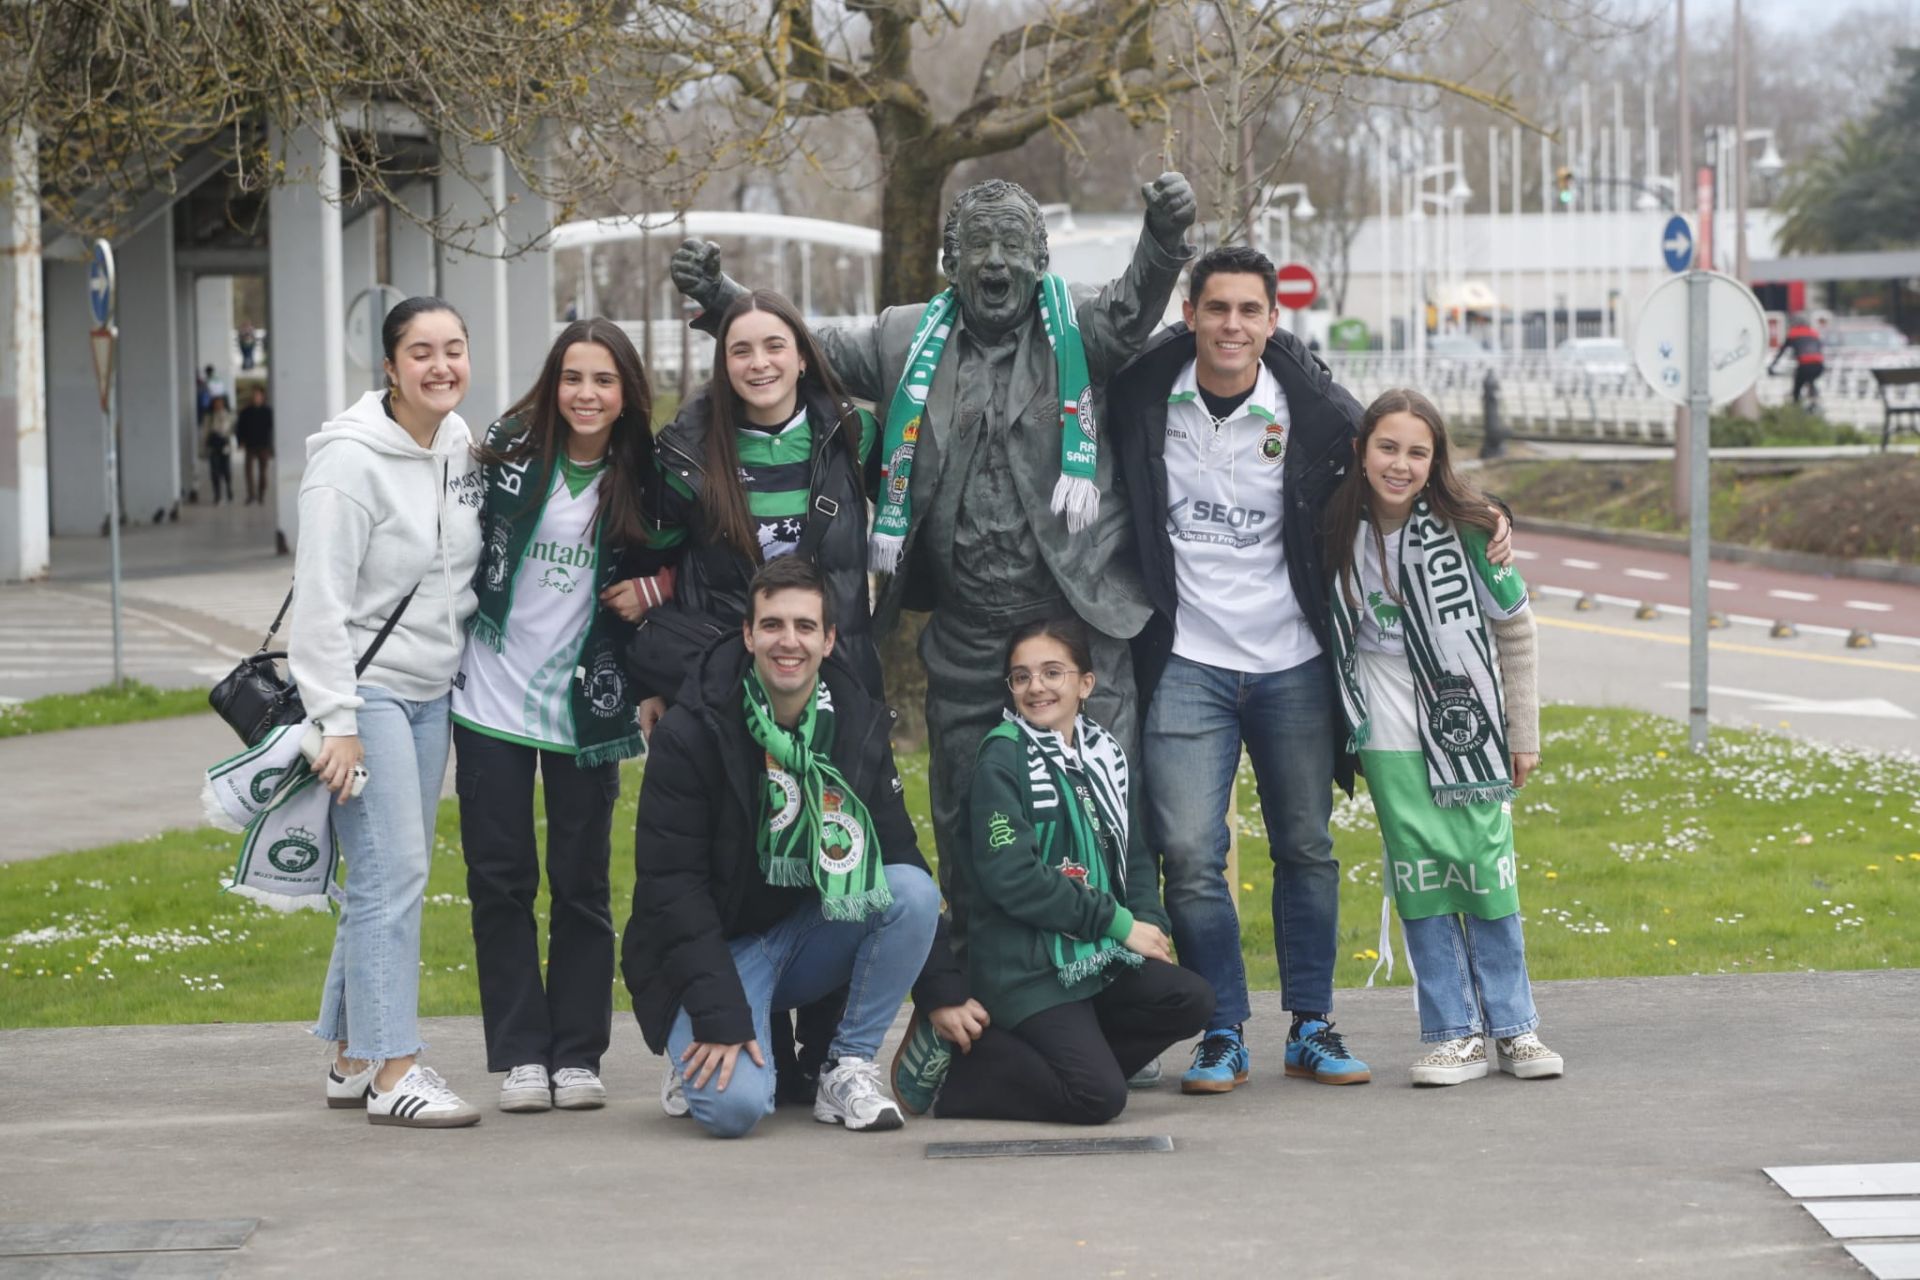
(255, 698)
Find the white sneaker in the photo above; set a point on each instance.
(1452, 1062)
(578, 1089)
(349, 1091)
(526, 1089)
(420, 1100)
(1525, 1058)
(673, 1094)
(850, 1094)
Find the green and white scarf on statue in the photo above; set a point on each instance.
(288, 858)
(813, 830)
(1077, 800)
(1458, 709)
(1075, 495)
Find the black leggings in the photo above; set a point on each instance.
(1804, 376)
(566, 1020)
(1069, 1064)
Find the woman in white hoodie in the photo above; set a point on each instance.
(389, 522)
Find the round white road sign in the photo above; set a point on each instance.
(1736, 338)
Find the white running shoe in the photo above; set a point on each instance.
(1525, 1058)
(673, 1094)
(1452, 1062)
(349, 1091)
(526, 1089)
(420, 1100)
(578, 1089)
(850, 1094)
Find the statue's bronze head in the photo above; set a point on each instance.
(994, 253)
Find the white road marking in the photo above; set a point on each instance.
(1651, 575)
(1525, 555)
(1579, 564)
(1721, 584)
(1871, 606)
(1802, 596)
(1793, 704)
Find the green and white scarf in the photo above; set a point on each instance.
(1075, 495)
(288, 858)
(812, 828)
(1077, 801)
(1456, 681)
(601, 695)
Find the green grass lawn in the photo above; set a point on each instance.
(1637, 858)
(105, 705)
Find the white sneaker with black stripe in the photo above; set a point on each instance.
(349, 1090)
(851, 1094)
(420, 1100)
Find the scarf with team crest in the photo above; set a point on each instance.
(1456, 682)
(1077, 800)
(601, 694)
(1075, 495)
(288, 858)
(813, 830)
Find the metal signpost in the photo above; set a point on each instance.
(105, 337)
(1700, 340)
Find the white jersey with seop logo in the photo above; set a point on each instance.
(524, 693)
(1224, 493)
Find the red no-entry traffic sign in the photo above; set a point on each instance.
(1296, 287)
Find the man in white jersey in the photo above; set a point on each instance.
(1231, 438)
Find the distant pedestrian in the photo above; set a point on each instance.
(1809, 359)
(217, 438)
(1445, 737)
(200, 397)
(254, 432)
(247, 342)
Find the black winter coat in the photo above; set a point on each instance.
(698, 883)
(714, 574)
(1325, 420)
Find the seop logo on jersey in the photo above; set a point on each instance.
(843, 843)
(1217, 523)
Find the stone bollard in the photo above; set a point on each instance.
(1494, 443)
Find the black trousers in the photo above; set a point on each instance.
(567, 1020)
(1070, 1064)
(1804, 376)
(220, 470)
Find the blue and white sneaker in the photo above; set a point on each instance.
(1220, 1063)
(1316, 1052)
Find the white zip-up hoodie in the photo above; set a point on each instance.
(379, 517)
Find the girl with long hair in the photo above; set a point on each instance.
(1446, 735)
(544, 686)
(388, 526)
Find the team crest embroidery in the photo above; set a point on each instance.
(783, 797)
(1456, 720)
(842, 842)
(896, 467)
(605, 685)
(497, 556)
(1082, 410)
(296, 853)
(1273, 443)
(263, 785)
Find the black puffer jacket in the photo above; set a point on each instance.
(698, 883)
(714, 574)
(1325, 419)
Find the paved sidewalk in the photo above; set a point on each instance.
(1646, 1159)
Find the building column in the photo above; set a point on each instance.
(25, 550)
(411, 253)
(360, 272)
(530, 308)
(473, 278)
(150, 484)
(186, 406)
(307, 320)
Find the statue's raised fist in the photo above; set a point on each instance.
(695, 268)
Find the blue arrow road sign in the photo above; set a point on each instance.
(100, 284)
(1676, 243)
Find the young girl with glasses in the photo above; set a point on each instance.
(1074, 989)
(1444, 735)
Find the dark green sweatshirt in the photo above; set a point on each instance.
(1012, 898)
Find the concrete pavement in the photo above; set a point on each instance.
(1646, 1159)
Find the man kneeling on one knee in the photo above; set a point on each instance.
(775, 863)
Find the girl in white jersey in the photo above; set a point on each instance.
(1445, 735)
(543, 686)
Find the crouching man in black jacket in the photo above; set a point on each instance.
(776, 863)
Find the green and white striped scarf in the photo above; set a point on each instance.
(1077, 801)
(1075, 495)
(1456, 680)
(812, 828)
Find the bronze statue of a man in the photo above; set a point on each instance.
(998, 506)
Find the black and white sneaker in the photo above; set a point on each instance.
(349, 1090)
(850, 1094)
(421, 1100)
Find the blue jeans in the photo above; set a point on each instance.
(372, 996)
(801, 959)
(1471, 980)
(1191, 747)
